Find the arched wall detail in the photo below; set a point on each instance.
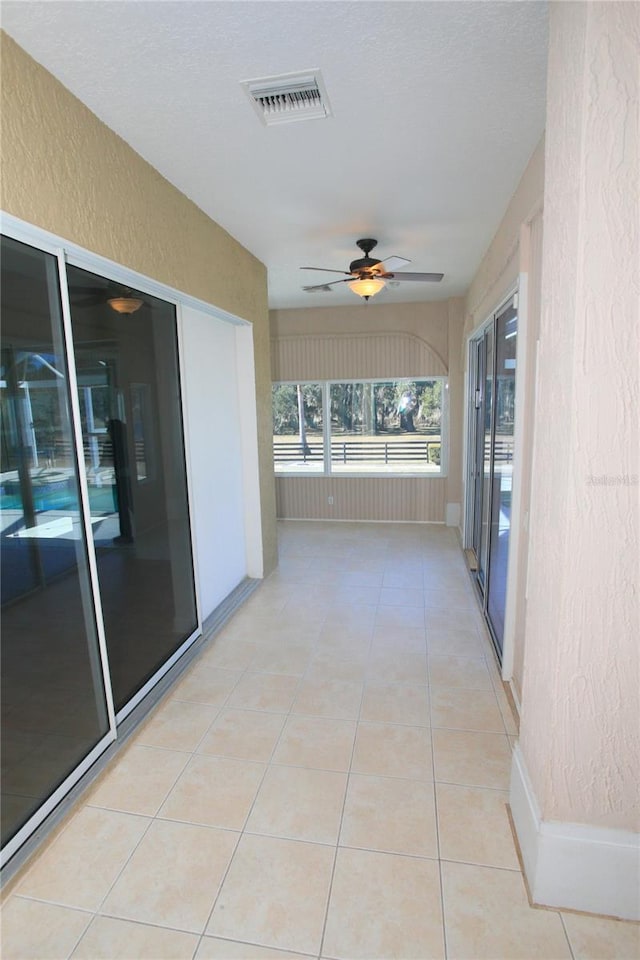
(335, 356)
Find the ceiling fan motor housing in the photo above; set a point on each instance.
(366, 263)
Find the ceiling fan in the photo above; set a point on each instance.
(119, 298)
(367, 276)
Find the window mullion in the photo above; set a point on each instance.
(326, 420)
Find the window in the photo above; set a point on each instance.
(298, 436)
(360, 427)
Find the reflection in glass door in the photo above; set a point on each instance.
(477, 361)
(492, 384)
(484, 467)
(98, 592)
(126, 354)
(54, 699)
(502, 468)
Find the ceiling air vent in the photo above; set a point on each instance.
(299, 96)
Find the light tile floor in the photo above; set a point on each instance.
(329, 780)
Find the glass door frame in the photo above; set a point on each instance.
(121, 275)
(69, 254)
(33, 239)
(472, 506)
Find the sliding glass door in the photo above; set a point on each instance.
(492, 365)
(484, 466)
(98, 588)
(129, 386)
(54, 698)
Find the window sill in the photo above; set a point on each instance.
(364, 475)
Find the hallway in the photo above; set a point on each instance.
(328, 780)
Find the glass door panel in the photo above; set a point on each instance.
(502, 468)
(477, 363)
(53, 696)
(485, 456)
(129, 385)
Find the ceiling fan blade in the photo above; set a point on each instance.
(327, 270)
(394, 263)
(420, 277)
(324, 286)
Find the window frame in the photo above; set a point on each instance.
(325, 386)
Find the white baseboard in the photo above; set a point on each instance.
(516, 698)
(574, 866)
(452, 515)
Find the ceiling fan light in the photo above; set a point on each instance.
(125, 304)
(367, 287)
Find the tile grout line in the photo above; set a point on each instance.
(242, 673)
(566, 933)
(155, 817)
(344, 804)
(243, 832)
(436, 811)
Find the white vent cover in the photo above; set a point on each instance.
(293, 96)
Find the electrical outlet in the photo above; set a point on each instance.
(330, 501)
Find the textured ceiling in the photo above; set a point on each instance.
(437, 108)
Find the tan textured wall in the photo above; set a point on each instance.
(65, 171)
(365, 340)
(579, 731)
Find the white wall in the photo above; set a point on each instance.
(214, 452)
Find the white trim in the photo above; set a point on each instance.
(85, 508)
(31, 235)
(516, 699)
(184, 407)
(364, 475)
(514, 571)
(247, 408)
(465, 521)
(79, 257)
(574, 866)
(326, 434)
(434, 523)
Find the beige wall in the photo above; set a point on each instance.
(456, 319)
(66, 172)
(426, 323)
(581, 696)
(371, 340)
(395, 499)
(500, 266)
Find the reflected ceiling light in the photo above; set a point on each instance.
(367, 287)
(125, 304)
